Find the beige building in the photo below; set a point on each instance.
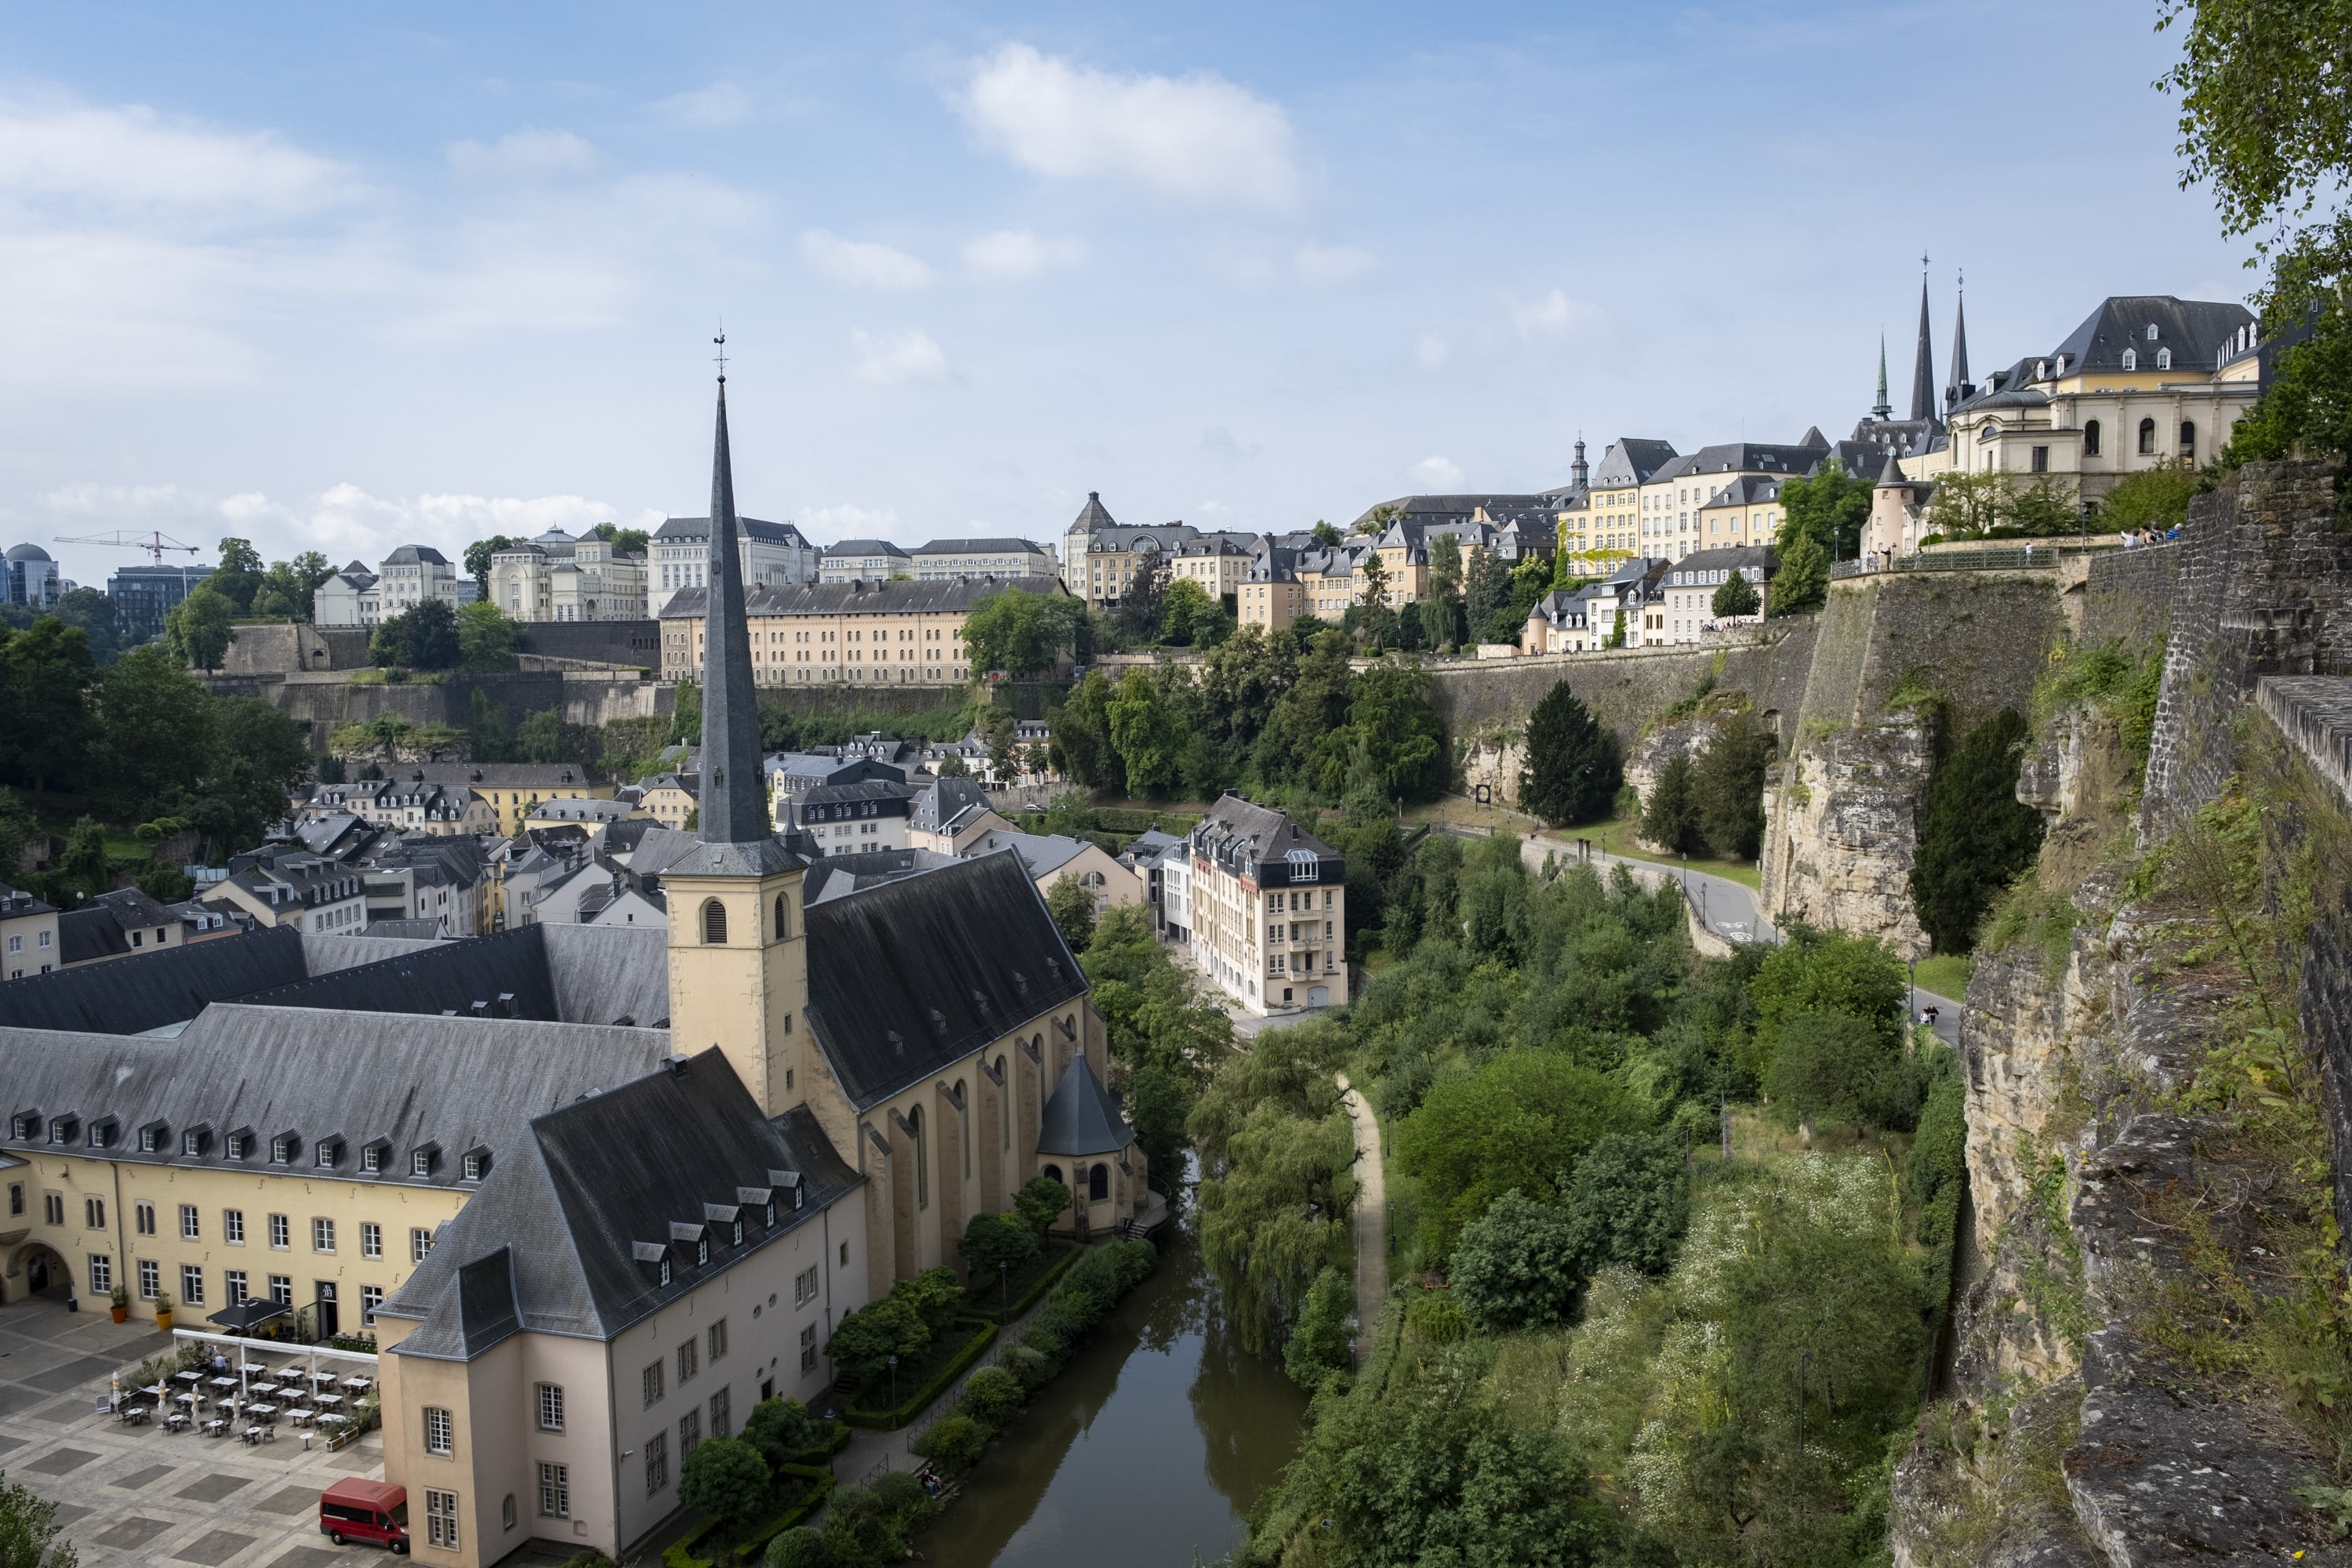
(1743, 512)
(1269, 907)
(555, 577)
(2146, 380)
(1673, 507)
(893, 633)
(1050, 856)
(950, 815)
(28, 935)
(1216, 562)
(1612, 531)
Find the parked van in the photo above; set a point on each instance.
(365, 1511)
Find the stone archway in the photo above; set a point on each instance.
(37, 1268)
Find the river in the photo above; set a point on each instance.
(1145, 1452)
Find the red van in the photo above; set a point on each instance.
(365, 1511)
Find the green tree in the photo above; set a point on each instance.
(1628, 1203)
(1828, 506)
(1082, 745)
(196, 629)
(1391, 719)
(1728, 786)
(1145, 733)
(1518, 1266)
(1137, 616)
(1318, 1344)
(997, 1242)
(1522, 1121)
(1042, 1201)
(540, 738)
(1445, 586)
(1669, 818)
(486, 638)
(799, 1547)
(686, 715)
(1735, 596)
(623, 541)
(1324, 534)
(290, 587)
(258, 756)
(1181, 608)
(90, 611)
(155, 728)
(84, 865)
(478, 559)
(45, 675)
(2152, 498)
(1975, 837)
(424, 636)
(238, 576)
(1574, 767)
(864, 1341)
(1071, 904)
(2046, 507)
(954, 1442)
(1488, 591)
(28, 1531)
(1803, 581)
(726, 1479)
(782, 1429)
(1969, 504)
(1377, 616)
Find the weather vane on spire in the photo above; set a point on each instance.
(1923, 261)
(721, 355)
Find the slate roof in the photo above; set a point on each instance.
(948, 595)
(834, 876)
(978, 547)
(1081, 1118)
(945, 803)
(417, 555)
(935, 966)
(1092, 517)
(691, 529)
(1756, 561)
(553, 973)
(2194, 330)
(166, 987)
(865, 547)
(414, 929)
(551, 1244)
(1254, 841)
(1043, 853)
(455, 1084)
(1630, 461)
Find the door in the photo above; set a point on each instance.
(329, 1324)
(37, 1274)
(1318, 996)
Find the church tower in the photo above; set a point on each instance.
(738, 958)
(1922, 366)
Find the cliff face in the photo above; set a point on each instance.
(2109, 1398)
(1840, 828)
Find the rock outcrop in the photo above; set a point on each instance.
(1840, 828)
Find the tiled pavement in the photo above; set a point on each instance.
(140, 1495)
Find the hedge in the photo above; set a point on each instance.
(1038, 1287)
(914, 1404)
(681, 1554)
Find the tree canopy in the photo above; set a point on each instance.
(1575, 767)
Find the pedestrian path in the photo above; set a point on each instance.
(1372, 1219)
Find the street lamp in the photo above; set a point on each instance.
(1915, 989)
(894, 1385)
(1004, 1289)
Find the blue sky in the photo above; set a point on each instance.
(342, 278)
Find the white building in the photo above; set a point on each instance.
(555, 577)
(866, 561)
(348, 598)
(412, 574)
(943, 559)
(775, 554)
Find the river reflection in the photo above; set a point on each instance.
(1147, 1450)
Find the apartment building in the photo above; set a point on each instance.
(1269, 908)
(1218, 563)
(774, 554)
(1670, 503)
(845, 818)
(414, 574)
(944, 560)
(28, 935)
(894, 633)
(1685, 608)
(282, 886)
(867, 560)
(1609, 527)
(348, 598)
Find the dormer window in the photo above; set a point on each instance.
(103, 1131)
(24, 1125)
(61, 1129)
(192, 1140)
(238, 1144)
(421, 1161)
(2151, 332)
(330, 1153)
(701, 1250)
(478, 1164)
(665, 1268)
(155, 1138)
(2164, 359)
(737, 1233)
(372, 1158)
(2131, 359)
(283, 1148)
(769, 1220)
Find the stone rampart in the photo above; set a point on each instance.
(322, 701)
(2126, 594)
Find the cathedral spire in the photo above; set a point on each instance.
(1882, 409)
(1958, 389)
(733, 805)
(1923, 368)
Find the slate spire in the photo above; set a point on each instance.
(733, 806)
(1954, 393)
(1923, 368)
(1882, 409)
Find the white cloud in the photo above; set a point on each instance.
(1552, 315)
(54, 149)
(722, 103)
(1436, 475)
(1432, 350)
(347, 524)
(861, 264)
(885, 357)
(1017, 253)
(848, 522)
(522, 157)
(1331, 263)
(1197, 136)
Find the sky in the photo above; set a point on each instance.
(343, 278)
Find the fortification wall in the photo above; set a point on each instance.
(2126, 595)
(323, 701)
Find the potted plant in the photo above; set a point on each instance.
(119, 1302)
(163, 1314)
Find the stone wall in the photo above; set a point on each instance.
(284, 647)
(323, 701)
(2126, 594)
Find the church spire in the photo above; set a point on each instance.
(1882, 409)
(1923, 368)
(733, 805)
(1957, 390)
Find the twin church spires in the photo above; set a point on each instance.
(1923, 364)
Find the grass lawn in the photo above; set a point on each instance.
(882, 1393)
(982, 1299)
(1619, 832)
(1946, 974)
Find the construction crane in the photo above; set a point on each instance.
(154, 543)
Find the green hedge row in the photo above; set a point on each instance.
(682, 1553)
(1036, 1288)
(915, 1404)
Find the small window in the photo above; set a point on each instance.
(2091, 438)
(716, 1337)
(329, 1152)
(688, 1361)
(663, 1275)
(701, 1250)
(550, 1408)
(322, 1235)
(372, 1158)
(2131, 359)
(281, 1150)
(281, 1232)
(2041, 463)
(555, 1491)
(233, 1225)
(439, 1434)
(441, 1517)
(784, 918)
(143, 1215)
(370, 1240)
(2189, 437)
(93, 1213)
(2164, 359)
(420, 1163)
(653, 1384)
(714, 923)
(234, 1147)
(2146, 437)
(476, 1167)
(420, 1241)
(191, 1227)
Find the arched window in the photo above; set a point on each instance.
(2131, 359)
(963, 1126)
(1054, 1172)
(2147, 436)
(2189, 437)
(1098, 1183)
(922, 1159)
(714, 923)
(2091, 438)
(2164, 359)
(1003, 1108)
(784, 917)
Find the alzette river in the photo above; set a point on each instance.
(1146, 1451)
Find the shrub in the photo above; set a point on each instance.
(869, 1336)
(592, 1558)
(999, 1241)
(866, 1527)
(1834, 1067)
(990, 1395)
(1438, 1319)
(1318, 1341)
(781, 1429)
(799, 1547)
(725, 1478)
(1628, 1203)
(1029, 1367)
(952, 1443)
(1519, 1265)
(1041, 1203)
